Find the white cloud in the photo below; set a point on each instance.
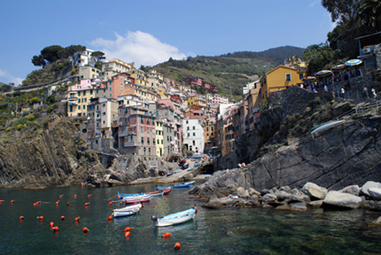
(17, 81)
(139, 47)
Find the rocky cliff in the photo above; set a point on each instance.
(289, 155)
(53, 156)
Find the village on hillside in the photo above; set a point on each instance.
(149, 115)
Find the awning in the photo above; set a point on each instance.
(309, 78)
(339, 67)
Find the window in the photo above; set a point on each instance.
(142, 140)
(300, 76)
(188, 134)
(158, 142)
(141, 129)
(194, 134)
(194, 127)
(186, 122)
(288, 77)
(147, 140)
(162, 141)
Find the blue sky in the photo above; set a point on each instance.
(148, 32)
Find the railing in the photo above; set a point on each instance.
(131, 144)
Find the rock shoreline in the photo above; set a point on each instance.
(309, 196)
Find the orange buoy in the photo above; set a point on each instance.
(142, 204)
(38, 202)
(127, 229)
(127, 234)
(87, 204)
(62, 217)
(195, 209)
(76, 219)
(121, 202)
(1, 201)
(89, 195)
(34, 204)
(110, 203)
(85, 230)
(110, 217)
(61, 196)
(12, 201)
(68, 203)
(41, 218)
(75, 196)
(145, 188)
(154, 206)
(56, 228)
(177, 246)
(51, 224)
(57, 202)
(117, 196)
(21, 217)
(166, 235)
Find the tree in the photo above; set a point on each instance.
(317, 56)
(98, 55)
(343, 11)
(38, 61)
(52, 53)
(370, 13)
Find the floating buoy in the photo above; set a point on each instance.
(38, 202)
(195, 209)
(61, 195)
(68, 203)
(117, 196)
(85, 230)
(154, 206)
(75, 196)
(87, 204)
(127, 229)
(57, 202)
(127, 234)
(145, 188)
(121, 202)
(177, 246)
(110, 217)
(166, 235)
(76, 219)
(21, 217)
(40, 217)
(62, 217)
(89, 195)
(51, 224)
(12, 201)
(34, 204)
(56, 228)
(1, 201)
(110, 203)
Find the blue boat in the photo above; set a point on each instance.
(163, 187)
(190, 169)
(197, 164)
(184, 185)
(126, 195)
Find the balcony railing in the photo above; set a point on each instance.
(130, 144)
(73, 103)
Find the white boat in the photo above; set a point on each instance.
(326, 125)
(175, 218)
(126, 211)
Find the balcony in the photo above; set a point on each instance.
(124, 134)
(73, 103)
(72, 98)
(130, 144)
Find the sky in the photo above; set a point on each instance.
(149, 32)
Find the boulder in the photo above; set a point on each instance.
(316, 203)
(299, 206)
(253, 192)
(372, 205)
(353, 189)
(375, 193)
(213, 205)
(283, 207)
(315, 191)
(240, 191)
(269, 198)
(245, 193)
(338, 199)
(368, 185)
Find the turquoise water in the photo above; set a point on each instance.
(225, 231)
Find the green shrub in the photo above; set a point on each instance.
(8, 129)
(34, 100)
(31, 117)
(19, 126)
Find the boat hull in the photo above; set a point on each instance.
(131, 200)
(126, 211)
(176, 218)
(184, 185)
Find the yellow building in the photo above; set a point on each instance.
(113, 67)
(280, 78)
(196, 100)
(139, 76)
(159, 138)
(79, 96)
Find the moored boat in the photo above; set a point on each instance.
(184, 185)
(125, 195)
(175, 218)
(163, 187)
(137, 199)
(156, 193)
(126, 211)
(167, 191)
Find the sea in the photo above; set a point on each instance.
(223, 231)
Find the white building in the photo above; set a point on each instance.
(193, 135)
(84, 58)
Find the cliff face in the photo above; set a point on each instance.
(53, 157)
(344, 155)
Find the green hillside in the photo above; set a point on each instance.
(229, 72)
